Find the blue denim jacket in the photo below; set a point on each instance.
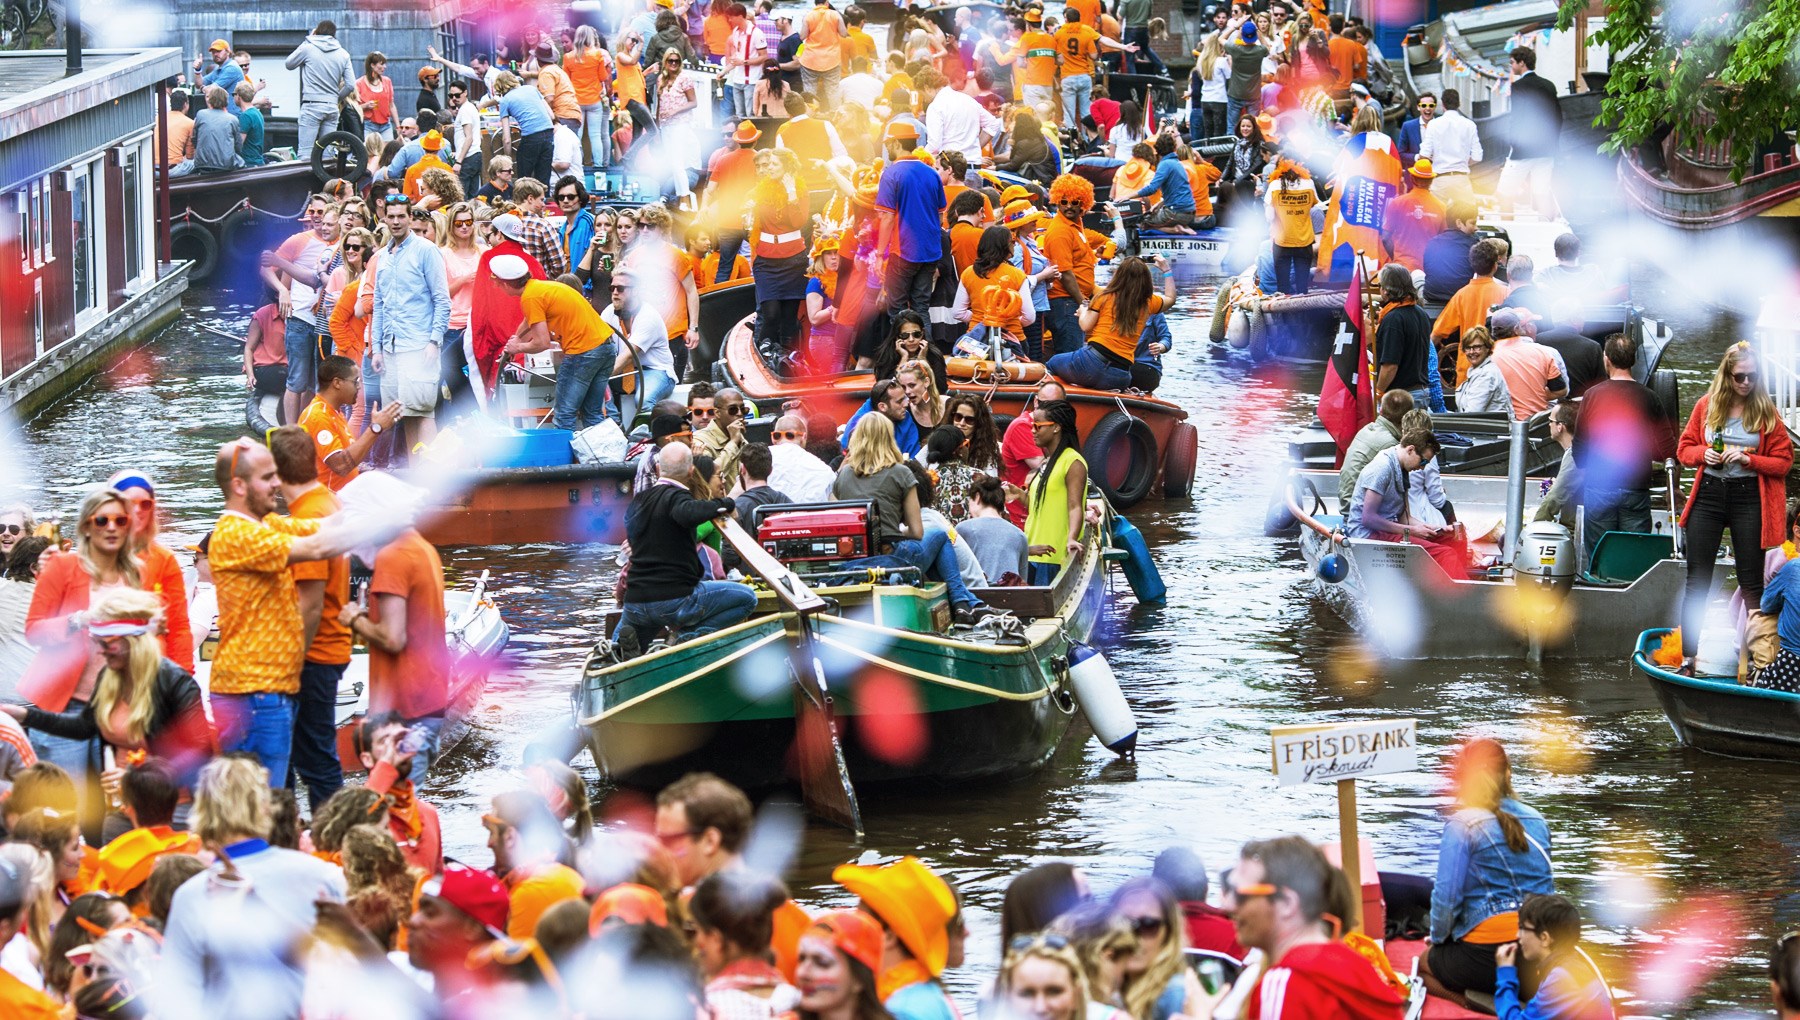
(1479, 876)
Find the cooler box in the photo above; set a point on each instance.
(519, 448)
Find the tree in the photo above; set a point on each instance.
(1727, 71)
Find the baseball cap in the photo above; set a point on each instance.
(509, 267)
(854, 933)
(476, 893)
(1358, 88)
(220, 44)
(510, 227)
(667, 425)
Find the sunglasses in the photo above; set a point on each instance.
(673, 436)
(1023, 943)
(355, 247)
(1528, 928)
(734, 410)
(1743, 377)
(456, 95)
(1427, 106)
(1042, 424)
(963, 419)
(795, 436)
(703, 412)
(110, 521)
(1146, 925)
(568, 196)
(464, 223)
(912, 335)
(618, 288)
(1259, 889)
(12, 529)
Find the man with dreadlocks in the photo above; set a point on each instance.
(1074, 250)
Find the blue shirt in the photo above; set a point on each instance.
(410, 153)
(923, 1001)
(1171, 180)
(1446, 265)
(1040, 291)
(1479, 875)
(412, 297)
(578, 230)
(225, 76)
(250, 119)
(1560, 996)
(1777, 599)
(913, 191)
(526, 106)
(906, 431)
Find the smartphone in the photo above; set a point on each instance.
(417, 739)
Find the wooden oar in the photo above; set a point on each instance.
(824, 778)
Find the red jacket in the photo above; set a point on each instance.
(62, 590)
(1773, 459)
(1211, 929)
(494, 315)
(1324, 979)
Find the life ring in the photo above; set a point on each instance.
(257, 420)
(350, 160)
(1121, 457)
(194, 242)
(976, 370)
(1668, 392)
(1179, 460)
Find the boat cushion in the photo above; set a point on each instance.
(1621, 557)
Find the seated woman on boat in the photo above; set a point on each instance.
(875, 469)
(910, 342)
(1378, 509)
(1550, 942)
(1485, 388)
(993, 296)
(1112, 322)
(945, 456)
(998, 543)
(1495, 852)
(970, 415)
(966, 563)
(1737, 440)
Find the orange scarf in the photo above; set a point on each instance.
(404, 809)
(901, 975)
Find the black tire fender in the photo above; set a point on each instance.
(1179, 461)
(1122, 439)
(351, 163)
(195, 243)
(1668, 392)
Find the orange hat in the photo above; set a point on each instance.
(220, 44)
(1033, 16)
(628, 903)
(429, 72)
(432, 141)
(902, 131)
(126, 862)
(824, 244)
(1422, 169)
(1019, 214)
(854, 933)
(1265, 123)
(1014, 192)
(746, 133)
(915, 904)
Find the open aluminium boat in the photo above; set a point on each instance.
(1718, 715)
(914, 697)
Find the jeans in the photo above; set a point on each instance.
(1608, 510)
(262, 724)
(908, 285)
(1163, 216)
(1212, 120)
(1065, 325)
(1734, 503)
(742, 99)
(599, 135)
(730, 244)
(1235, 108)
(713, 605)
(1086, 366)
(302, 342)
(316, 121)
(1078, 93)
(1134, 63)
(315, 756)
(471, 171)
(187, 168)
(935, 555)
(652, 387)
(1293, 269)
(1034, 338)
(581, 383)
(822, 84)
(533, 158)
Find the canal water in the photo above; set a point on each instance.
(1674, 854)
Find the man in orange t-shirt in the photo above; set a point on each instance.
(335, 451)
(1349, 58)
(1071, 248)
(1079, 45)
(730, 177)
(403, 625)
(323, 587)
(1413, 219)
(1469, 306)
(965, 228)
(1037, 49)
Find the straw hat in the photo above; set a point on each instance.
(1019, 214)
(1422, 169)
(915, 905)
(746, 133)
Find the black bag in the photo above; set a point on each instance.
(349, 119)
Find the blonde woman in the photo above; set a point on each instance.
(1157, 984)
(1102, 942)
(1740, 452)
(1041, 978)
(922, 397)
(439, 189)
(875, 469)
(24, 955)
(462, 257)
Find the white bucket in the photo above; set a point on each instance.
(1097, 691)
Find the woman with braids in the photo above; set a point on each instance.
(1494, 853)
(993, 295)
(1055, 498)
(1075, 251)
(1113, 323)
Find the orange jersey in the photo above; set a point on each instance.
(994, 300)
(964, 239)
(1078, 45)
(1202, 175)
(1071, 247)
(1038, 50)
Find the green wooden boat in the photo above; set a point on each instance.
(913, 697)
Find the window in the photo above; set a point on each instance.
(131, 159)
(270, 65)
(21, 202)
(84, 200)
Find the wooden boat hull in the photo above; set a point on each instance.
(1131, 462)
(910, 706)
(216, 217)
(1705, 198)
(513, 506)
(1717, 715)
(1405, 607)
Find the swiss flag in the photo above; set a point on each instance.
(1347, 400)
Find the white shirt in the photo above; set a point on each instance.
(1122, 138)
(467, 128)
(565, 149)
(1212, 90)
(1450, 142)
(804, 477)
(862, 89)
(648, 335)
(746, 43)
(954, 120)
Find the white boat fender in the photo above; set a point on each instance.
(1097, 691)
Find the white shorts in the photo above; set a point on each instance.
(411, 377)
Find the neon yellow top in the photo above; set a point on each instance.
(1046, 516)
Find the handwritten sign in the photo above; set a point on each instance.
(1334, 751)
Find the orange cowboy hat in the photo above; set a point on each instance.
(629, 903)
(432, 141)
(1019, 214)
(914, 903)
(1422, 169)
(746, 133)
(901, 131)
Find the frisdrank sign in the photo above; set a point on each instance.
(1334, 751)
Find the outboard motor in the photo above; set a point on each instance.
(1546, 558)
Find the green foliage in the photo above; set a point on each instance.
(1723, 70)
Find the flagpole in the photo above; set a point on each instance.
(1368, 348)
